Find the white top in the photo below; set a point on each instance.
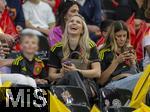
(146, 42)
(40, 15)
(81, 2)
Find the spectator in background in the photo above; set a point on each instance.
(141, 8)
(118, 60)
(16, 13)
(91, 11)
(54, 4)
(105, 25)
(4, 38)
(146, 49)
(121, 8)
(65, 11)
(38, 16)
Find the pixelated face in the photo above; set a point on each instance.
(75, 26)
(72, 11)
(121, 38)
(29, 45)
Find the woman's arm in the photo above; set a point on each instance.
(53, 75)
(95, 72)
(107, 73)
(6, 62)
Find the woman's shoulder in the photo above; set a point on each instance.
(57, 46)
(104, 52)
(92, 44)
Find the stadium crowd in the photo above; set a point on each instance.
(91, 44)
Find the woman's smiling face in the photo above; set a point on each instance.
(75, 26)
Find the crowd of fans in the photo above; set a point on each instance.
(91, 44)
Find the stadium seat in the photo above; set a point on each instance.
(121, 109)
(79, 108)
(76, 94)
(115, 98)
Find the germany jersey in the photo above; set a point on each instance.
(56, 54)
(34, 68)
(106, 57)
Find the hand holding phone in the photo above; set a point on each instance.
(68, 63)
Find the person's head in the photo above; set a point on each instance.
(76, 28)
(105, 27)
(118, 36)
(29, 43)
(67, 9)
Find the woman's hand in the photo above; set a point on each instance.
(119, 59)
(132, 58)
(67, 68)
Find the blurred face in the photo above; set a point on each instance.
(75, 26)
(72, 11)
(29, 45)
(121, 37)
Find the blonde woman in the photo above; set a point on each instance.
(75, 38)
(118, 60)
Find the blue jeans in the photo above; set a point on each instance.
(127, 83)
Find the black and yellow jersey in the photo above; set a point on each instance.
(106, 57)
(34, 68)
(56, 54)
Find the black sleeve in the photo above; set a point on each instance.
(44, 73)
(20, 20)
(15, 68)
(105, 60)
(94, 55)
(54, 60)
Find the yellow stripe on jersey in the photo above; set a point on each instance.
(101, 53)
(92, 44)
(57, 45)
(21, 58)
(37, 59)
(17, 60)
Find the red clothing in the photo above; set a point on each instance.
(136, 38)
(100, 41)
(57, 3)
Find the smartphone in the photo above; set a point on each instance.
(68, 63)
(130, 49)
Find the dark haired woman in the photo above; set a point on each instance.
(141, 8)
(66, 10)
(118, 60)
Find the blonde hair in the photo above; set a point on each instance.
(111, 40)
(83, 42)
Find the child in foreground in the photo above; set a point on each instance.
(28, 63)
